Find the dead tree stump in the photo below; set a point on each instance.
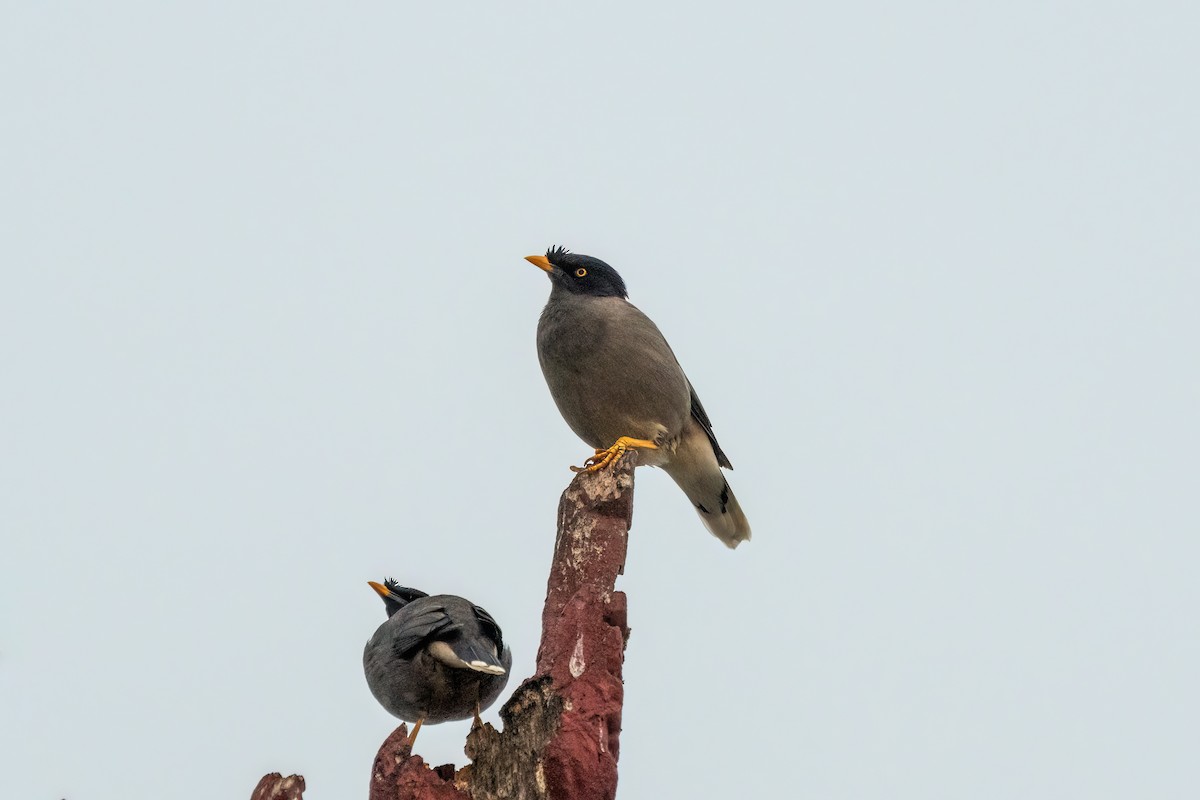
(562, 727)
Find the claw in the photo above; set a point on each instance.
(603, 458)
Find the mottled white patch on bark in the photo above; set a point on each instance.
(577, 665)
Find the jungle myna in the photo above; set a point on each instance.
(436, 658)
(618, 385)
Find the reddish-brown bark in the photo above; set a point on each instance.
(399, 773)
(277, 787)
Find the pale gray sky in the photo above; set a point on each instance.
(267, 334)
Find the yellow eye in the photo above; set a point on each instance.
(579, 273)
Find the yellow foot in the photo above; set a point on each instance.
(603, 458)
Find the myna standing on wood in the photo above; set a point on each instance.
(618, 385)
(436, 658)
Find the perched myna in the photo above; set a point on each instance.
(618, 385)
(436, 658)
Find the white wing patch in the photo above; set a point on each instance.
(481, 666)
(445, 654)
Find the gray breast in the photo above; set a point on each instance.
(610, 370)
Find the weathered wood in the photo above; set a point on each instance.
(277, 787)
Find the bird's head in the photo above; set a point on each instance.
(579, 274)
(395, 596)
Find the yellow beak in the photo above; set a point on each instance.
(379, 588)
(541, 262)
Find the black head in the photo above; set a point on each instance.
(395, 596)
(580, 274)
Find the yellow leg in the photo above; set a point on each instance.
(603, 458)
(412, 737)
(478, 720)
